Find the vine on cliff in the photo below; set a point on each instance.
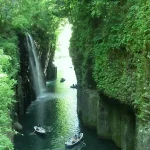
(115, 35)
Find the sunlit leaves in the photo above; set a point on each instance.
(97, 7)
(6, 99)
(20, 16)
(20, 22)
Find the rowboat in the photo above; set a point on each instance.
(62, 80)
(39, 130)
(74, 140)
(74, 86)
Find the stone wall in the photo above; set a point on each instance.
(51, 72)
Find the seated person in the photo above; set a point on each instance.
(79, 135)
(73, 140)
(75, 136)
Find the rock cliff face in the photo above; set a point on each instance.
(111, 119)
(112, 57)
(142, 137)
(25, 92)
(87, 107)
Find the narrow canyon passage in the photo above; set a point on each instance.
(59, 112)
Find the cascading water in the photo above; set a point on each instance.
(37, 74)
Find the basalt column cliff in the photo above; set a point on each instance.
(111, 54)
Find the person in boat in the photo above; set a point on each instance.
(75, 86)
(38, 125)
(74, 139)
(62, 80)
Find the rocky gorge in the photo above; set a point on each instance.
(110, 52)
(111, 60)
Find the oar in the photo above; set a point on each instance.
(20, 133)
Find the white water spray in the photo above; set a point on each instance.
(37, 73)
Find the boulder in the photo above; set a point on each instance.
(17, 126)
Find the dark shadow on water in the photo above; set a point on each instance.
(94, 142)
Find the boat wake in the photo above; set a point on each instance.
(77, 147)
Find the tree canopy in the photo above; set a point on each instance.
(20, 16)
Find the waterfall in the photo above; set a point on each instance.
(37, 73)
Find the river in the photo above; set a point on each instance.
(58, 113)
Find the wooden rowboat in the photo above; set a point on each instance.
(39, 130)
(74, 140)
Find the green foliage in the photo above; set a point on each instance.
(21, 16)
(9, 46)
(6, 99)
(20, 22)
(5, 143)
(115, 36)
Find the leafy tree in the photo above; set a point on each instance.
(6, 99)
(111, 39)
(21, 16)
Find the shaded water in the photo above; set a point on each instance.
(58, 115)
